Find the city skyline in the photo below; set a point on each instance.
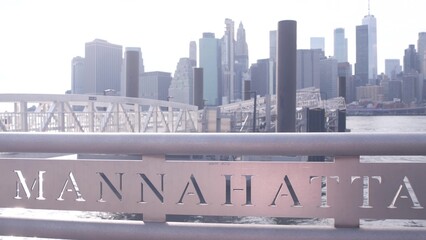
(37, 54)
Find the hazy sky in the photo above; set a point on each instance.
(38, 39)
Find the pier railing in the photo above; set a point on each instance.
(167, 181)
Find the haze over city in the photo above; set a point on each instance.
(40, 38)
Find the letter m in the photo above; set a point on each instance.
(21, 183)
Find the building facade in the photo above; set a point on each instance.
(392, 68)
(329, 77)
(155, 85)
(103, 61)
(362, 54)
(210, 61)
(371, 22)
(318, 43)
(308, 68)
(260, 77)
(340, 45)
(241, 62)
(78, 85)
(411, 60)
(182, 85)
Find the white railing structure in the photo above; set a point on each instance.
(93, 113)
(346, 190)
(242, 112)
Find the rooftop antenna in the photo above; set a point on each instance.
(368, 7)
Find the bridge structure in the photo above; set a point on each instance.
(97, 113)
(93, 113)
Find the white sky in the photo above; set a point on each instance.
(38, 39)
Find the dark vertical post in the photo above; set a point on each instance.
(254, 111)
(247, 88)
(132, 73)
(286, 76)
(198, 88)
(342, 87)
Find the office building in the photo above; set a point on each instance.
(370, 93)
(210, 61)
(308, 68)
(78, 76)
(329, 77)
(411, 60)
(340, 45)
(362, 55)
(421, 47)
(228, 62)
(273, 60)
(273, 45)
(392, 68)
(155, 85)
(371, 22)
(193, 52)
(260, 77)
(131, 70)
(181, 87)
(241, 62)
(103, 67)
(318, 43)
(344, 70)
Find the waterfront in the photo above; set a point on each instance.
(386, 124)
(356, 124)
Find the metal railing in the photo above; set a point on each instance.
(346, 190)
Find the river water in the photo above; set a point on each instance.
(370, 124)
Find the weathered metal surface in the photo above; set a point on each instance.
(106, 230)
(328, 144)
(346, 190)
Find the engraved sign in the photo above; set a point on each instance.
(346, 189)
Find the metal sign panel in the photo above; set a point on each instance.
(345, 190)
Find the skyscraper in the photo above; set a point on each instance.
(318, 43)
(392, 68)
(131, 58)
(362, 56)
(308, 68)
(181, 86)
(241, 61)
(371, 22)
(421, 47)
(328, 77)
(228, 61)
(259, 73)
(131, 70)
(155, 85)
(210, 61)
(273, 45)
(102, 66)
(78, 76)
(340, 45)
(411, 59)
(193, 52)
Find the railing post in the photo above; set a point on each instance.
(345, 218)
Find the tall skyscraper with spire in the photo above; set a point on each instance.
(228, 61)
(362, 55)
(371, 22)
(241, 61)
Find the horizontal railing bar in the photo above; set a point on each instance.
(121, 229)
(329, 144)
